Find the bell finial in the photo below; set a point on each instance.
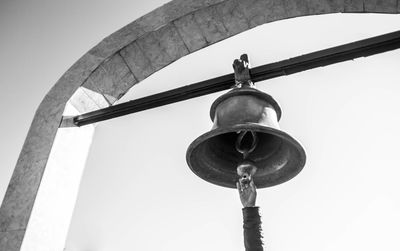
(242, 72)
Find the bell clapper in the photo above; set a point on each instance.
(246, 170)
(245, 144)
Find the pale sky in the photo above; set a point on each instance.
(137, 192)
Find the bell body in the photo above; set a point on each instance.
(214, 156)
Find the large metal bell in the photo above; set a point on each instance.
(245, 129)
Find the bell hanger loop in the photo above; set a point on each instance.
(246, 142)
(242, 72)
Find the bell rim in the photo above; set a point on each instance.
(257, 128)
(246, 91)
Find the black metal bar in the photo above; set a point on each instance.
(156, 100)
(362, 48)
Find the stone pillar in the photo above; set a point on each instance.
(51, 214)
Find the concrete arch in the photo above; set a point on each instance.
(106, 72)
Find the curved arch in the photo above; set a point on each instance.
(132, 54)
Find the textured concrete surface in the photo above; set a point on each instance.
(137, 61)
(112, 79)
(130, 55)
(211, 24)
(21, 192)
(163, 46)
(86, 100)
(11, 240)
(354, 6)
(190, 32)
(380, 6)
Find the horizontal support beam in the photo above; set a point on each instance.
(362, 48)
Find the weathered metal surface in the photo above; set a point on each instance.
(245, 134)
(214, 156)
